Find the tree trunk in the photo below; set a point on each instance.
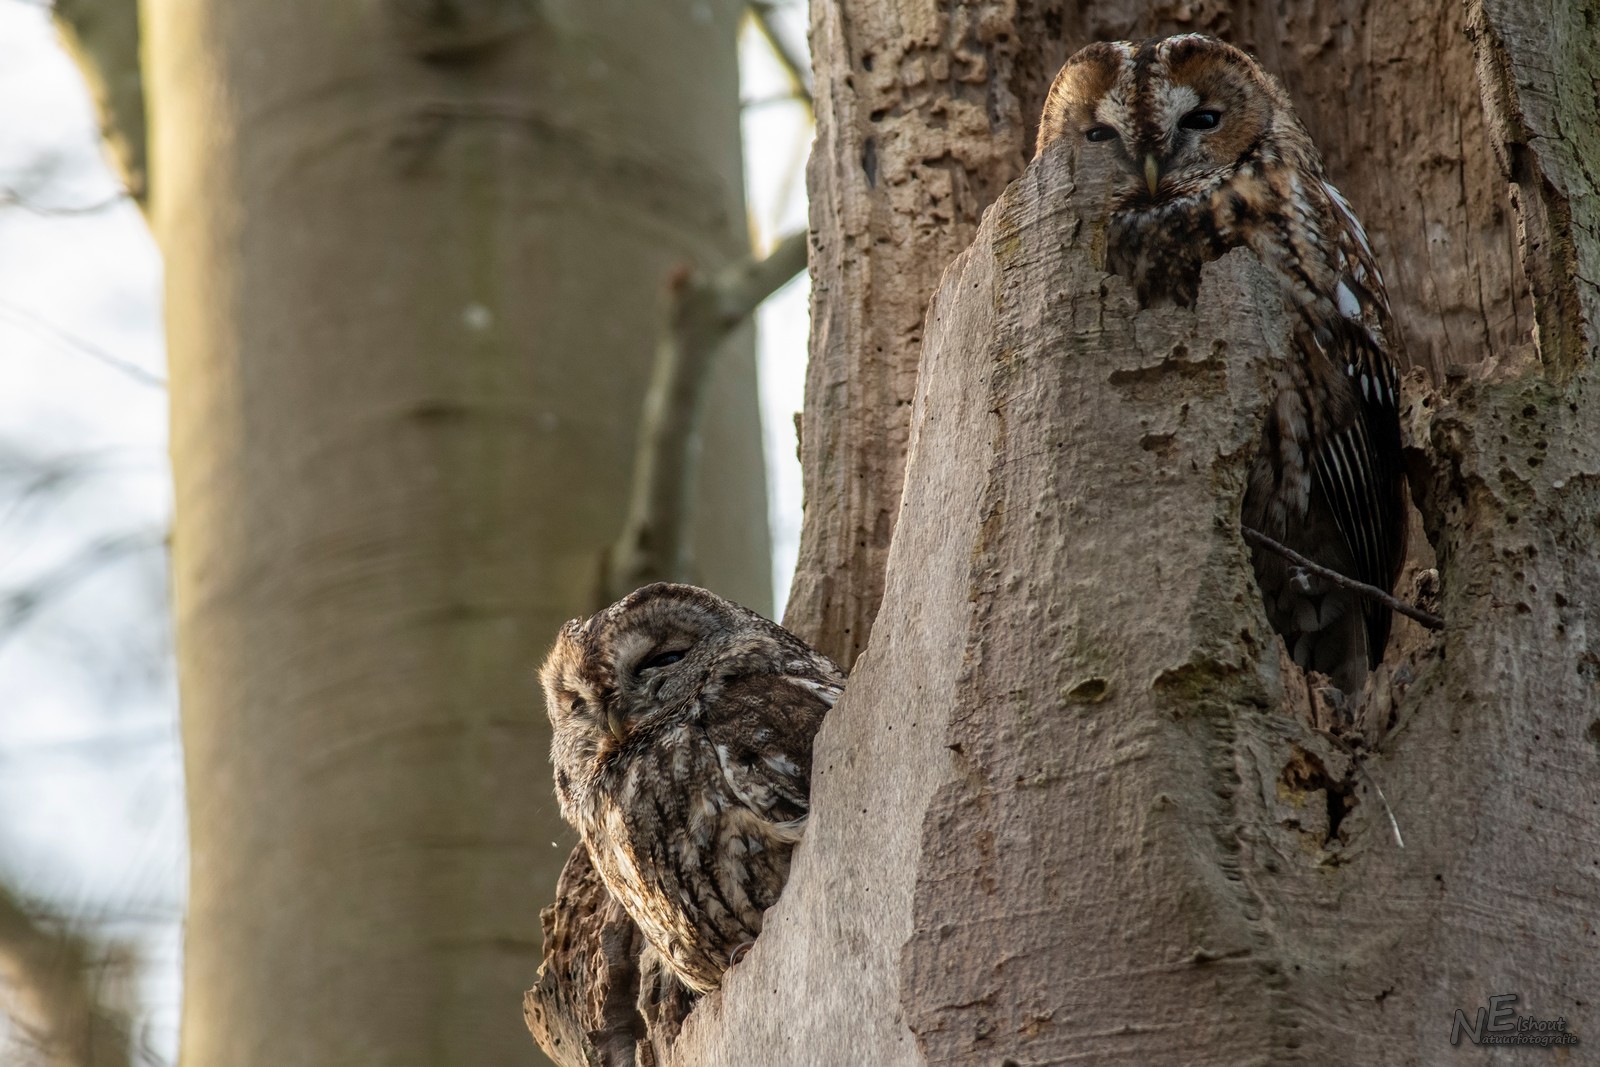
(1075, 803)
(924, 115)
(415, 258)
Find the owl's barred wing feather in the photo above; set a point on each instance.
(762, 730)
(682, 727)
(1358, 471)
(1360, 466)
(1208, 155)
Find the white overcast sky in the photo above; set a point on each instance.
(91, 804)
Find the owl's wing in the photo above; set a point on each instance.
(762, 728)
(1358, 465)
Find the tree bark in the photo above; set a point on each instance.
(415, 257)
(1075, 803)
(923, 116)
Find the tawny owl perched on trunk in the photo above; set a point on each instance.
(1212, 157)
(683, 728)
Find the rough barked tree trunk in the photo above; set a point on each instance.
(415, 257)
(1074, 803)
(924, 113)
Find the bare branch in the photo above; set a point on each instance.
(701, 315)
(72, 342)
(55, 971)
(102, 36)
(798, 66)
(1394, 603)
(18, 607)
(10, 197)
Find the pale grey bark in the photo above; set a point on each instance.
(415, 255)
(1076, 804)
(924, 113)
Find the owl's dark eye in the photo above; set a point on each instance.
(660, 659)
(1203, 119)
(1099, 133)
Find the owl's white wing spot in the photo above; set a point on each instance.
(1349, 306)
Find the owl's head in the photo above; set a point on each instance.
(1176, 116)
(647, 659)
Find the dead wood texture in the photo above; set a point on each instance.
(925, 112)
(1075, 805)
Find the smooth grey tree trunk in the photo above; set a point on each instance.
(415, 256)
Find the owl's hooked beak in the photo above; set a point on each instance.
(617, 723)
(1152, 172)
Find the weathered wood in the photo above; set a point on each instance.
(600, 1000)
(1538, 68)
(1075, 803)
(924, 113)
(1024, 663)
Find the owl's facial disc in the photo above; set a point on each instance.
(653, 663)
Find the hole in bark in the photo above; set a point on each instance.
(1594, 732)
(1306, 775)
(1088, 691)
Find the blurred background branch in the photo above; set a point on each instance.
(794, 60)
(63, 991)
(700, 316)
(102, 36)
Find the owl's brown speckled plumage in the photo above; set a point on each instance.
(683, 727)
(1212, 158)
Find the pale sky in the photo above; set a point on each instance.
(91, 804)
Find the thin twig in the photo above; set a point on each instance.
(72, 342)
(1261, 540)
(798, 66)
(19, 606)
(701, 316)
(10, 197)
(1372, 780)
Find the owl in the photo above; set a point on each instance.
(683, 727)
(1208, 157)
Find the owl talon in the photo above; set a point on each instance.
(739, 953)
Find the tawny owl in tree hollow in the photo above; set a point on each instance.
(682, 751)
(1211, 157)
